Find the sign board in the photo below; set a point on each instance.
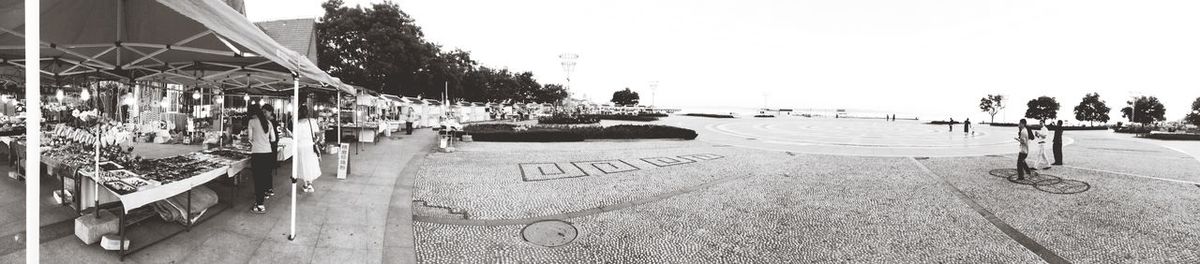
(343, 160)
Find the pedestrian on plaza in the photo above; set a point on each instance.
(1058, 134)
(951, 124)
(307, 141)
(1042, 159)
(263, 141)
(1024, 135)
(967, 126)
(409, 117)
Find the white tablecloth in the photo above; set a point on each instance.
(141, 198)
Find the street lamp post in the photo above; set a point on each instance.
(1133, 106)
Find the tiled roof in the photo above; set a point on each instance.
(299, 35)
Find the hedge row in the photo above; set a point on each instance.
(1065, 128)
(1132, 130)
(1173, 136)
(653, 114)
(509, 133)
(943, 122)
(764, 116)
(709, 115)
(644, 118)
(568, 120)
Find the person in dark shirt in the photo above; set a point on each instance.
(1058, 133)
(967, 126)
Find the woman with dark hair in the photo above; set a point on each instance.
(263, 140)
(307, 138)
(1024, 135)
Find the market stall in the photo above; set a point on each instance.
(203, 50)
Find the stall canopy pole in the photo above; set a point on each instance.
(295, 147)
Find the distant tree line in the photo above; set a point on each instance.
(1143, 109)
(382, 48)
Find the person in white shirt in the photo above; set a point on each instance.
(1043, 156)
(263, 138)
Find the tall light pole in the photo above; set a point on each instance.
(568, 64)
(653, 93)
(1133, 106)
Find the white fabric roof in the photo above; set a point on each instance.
(191, 42)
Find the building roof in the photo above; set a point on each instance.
(299, 35)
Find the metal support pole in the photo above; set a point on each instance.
(295, 148)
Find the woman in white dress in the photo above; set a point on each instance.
(307, 136)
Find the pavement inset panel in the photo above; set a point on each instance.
(548, 171)
(605, 166)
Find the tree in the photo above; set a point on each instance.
(1092, 109)
(1194, 116)
(625, 97)
(1042, 108)
(380, 48)
(1149, 109)
(992, 104)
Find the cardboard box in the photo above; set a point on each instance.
(90, 228)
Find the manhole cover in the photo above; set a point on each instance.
(1036, 179)
(1064, 187)
(549, 233)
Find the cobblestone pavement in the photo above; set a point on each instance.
(755, 206)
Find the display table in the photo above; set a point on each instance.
(140, 198)
(364, 132)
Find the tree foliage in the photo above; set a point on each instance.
(381, 47)
(1194, 116)
(1149, 110)
(625, 97)
(1092, 109)
(992, 104)
(1042, 108)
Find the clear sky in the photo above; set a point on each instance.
(926, 57)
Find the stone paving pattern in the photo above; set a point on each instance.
(782, 207)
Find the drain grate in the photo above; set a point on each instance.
(550, 233)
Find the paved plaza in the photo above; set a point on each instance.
(808, 190)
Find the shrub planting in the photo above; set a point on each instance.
(653, 114)
(568, 120)
(565, 133)
(709, 115)
(1173, 136)
(625, 117)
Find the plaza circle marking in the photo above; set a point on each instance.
(1064, 187)
(1003, 173)
(1036, 179)
(549, 233)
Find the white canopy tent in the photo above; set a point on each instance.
(190, 42)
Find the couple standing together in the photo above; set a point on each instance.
(264, 133)
(1025, 136)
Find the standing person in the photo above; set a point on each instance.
(1024, 135)
(408, 119)
(263, 139)
(1043, 157)
(967, 126)
(306, 142)
(951, 124)
(1058, 133)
